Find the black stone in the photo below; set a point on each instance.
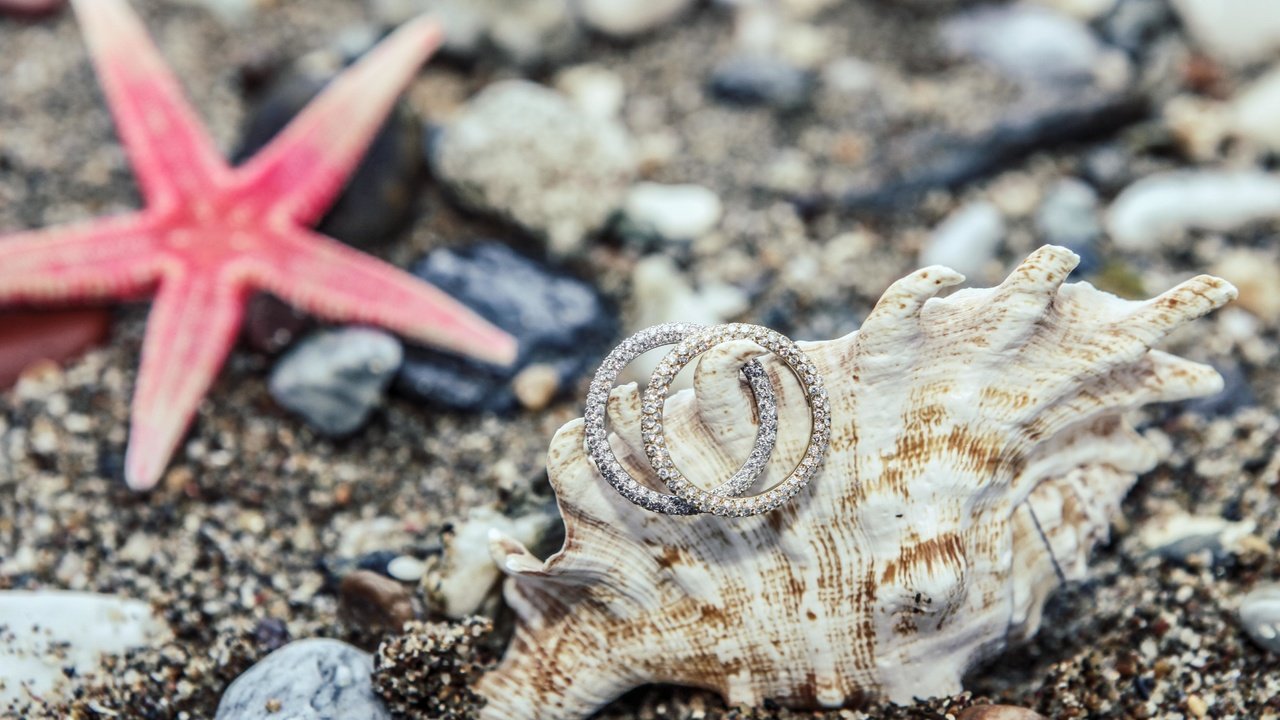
(380, 193)
(762, 80)
(557, 319)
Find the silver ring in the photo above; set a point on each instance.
(597, 436)
(815, 393)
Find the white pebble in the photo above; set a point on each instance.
(1164, 206)
(967, 240)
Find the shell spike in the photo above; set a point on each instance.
(1186, 302)
(896, 316)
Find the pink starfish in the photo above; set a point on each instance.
(210, 234)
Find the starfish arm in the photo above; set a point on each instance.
(301, 172)
(104, 258)
(173, 157)
(192, 327)
(335, 282)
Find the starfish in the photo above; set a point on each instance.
(211, 234)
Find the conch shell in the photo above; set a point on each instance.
(978, 452)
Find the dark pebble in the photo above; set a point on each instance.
(374, 602)
(379, 196)
(558, 320)
(28, 336)
(270, 325)
(760, 80)
(1236, 393)
(1132, 25)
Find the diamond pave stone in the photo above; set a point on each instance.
(597, 437)
(815, 393)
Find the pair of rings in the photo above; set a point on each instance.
(687, 498)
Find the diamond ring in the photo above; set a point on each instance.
(711, 501)
(597, 437)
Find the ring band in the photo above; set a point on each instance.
(597, 437)
(815, 393)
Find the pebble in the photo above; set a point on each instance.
(595, 89)
(998, 712)
(316, 678)
(1256, 274)
(1260, 616)
(1085, 10)
(1069, 216)
(528, 33)
(670, 212)
(526, 154)
(1246, 32)
(51, 638)
(535, 386)
(1255, 109)
(762, 80)
(30, 336)
(1164, 206)
(967, 240)
(1133, 25)
(1177, 535)
(406, 568)
(558, 320)
(335, 379)
(661, 293)
(465, 577)
(629, 18)
(1029, 43)
(374, 601)
(378, 199)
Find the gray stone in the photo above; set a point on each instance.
(762, 80)
(335, 379)
(51, 640)
(1260, 616)
(629, 18)
(1026, 42)
(522, 152)
(315, 679)
(1069, 214)
(524, 32)
(670, 212)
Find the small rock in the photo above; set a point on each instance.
(1163, 206)
(596, 90)
(1244, 32)
(525, 32)
(334, 379)
(379, 197)
(1069, 216)
(629, 18)
(557, 319)
(51, 640)
(29, 336)
(430, 670)
(1135, 24)
(998, 712)
(464, 575)
(406, 568)
(374, 602)
(524, 153)
(317, 678)
(1260, 616)
(762, 80)
(1256, 274)
(535, 386)
(1026, 42)
(670, 212)
(967, 240)
(31, 8)
(1256, 109)
(1177, 535)
(1085, 10)
(661, 293)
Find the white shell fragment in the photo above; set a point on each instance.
(978, 452)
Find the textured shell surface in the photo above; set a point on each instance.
(979, 450)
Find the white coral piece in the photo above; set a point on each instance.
(978, 452)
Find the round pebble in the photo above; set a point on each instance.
(1260, 616)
